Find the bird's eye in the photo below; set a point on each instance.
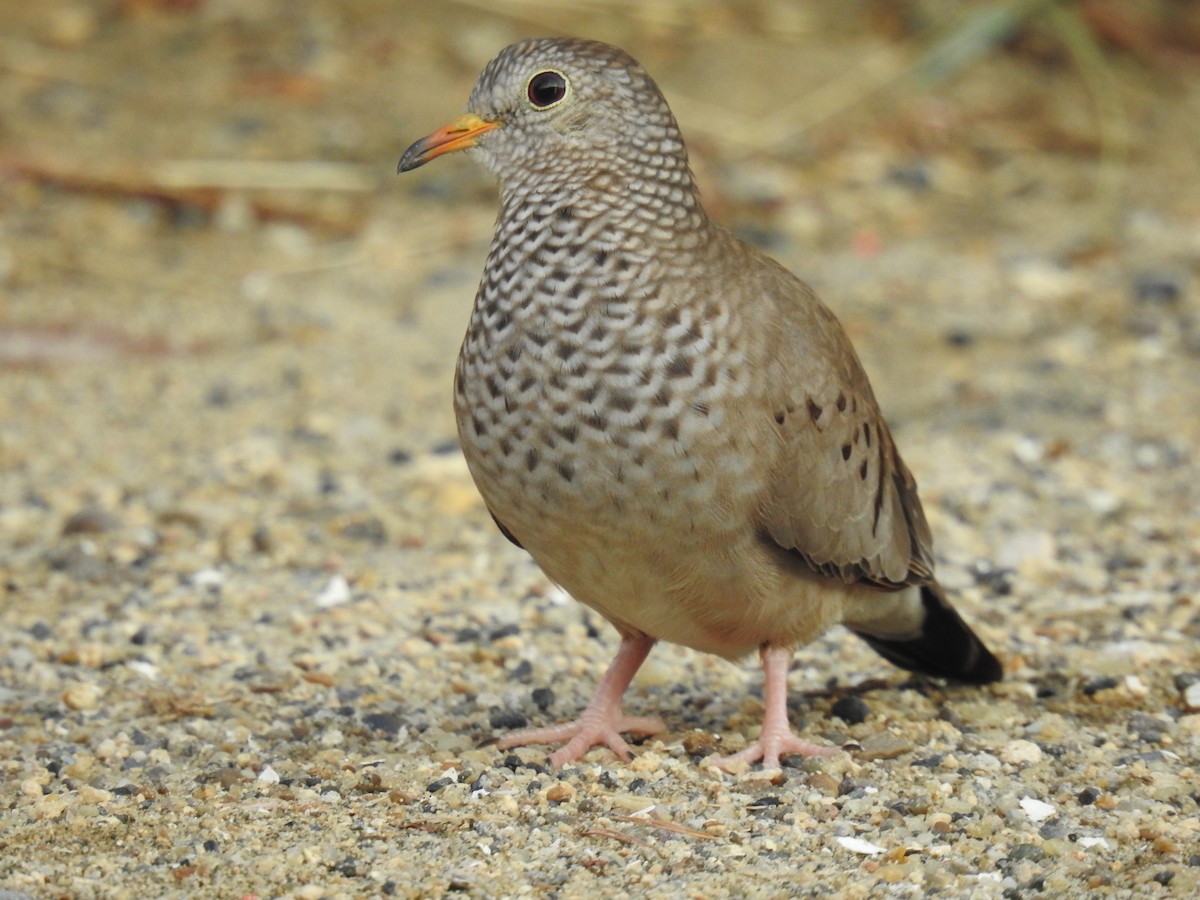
(546, 89)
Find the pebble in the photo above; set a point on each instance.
(883, 745)
(1021, 753)
(91, 520)
(1157, 288)
(82, 695)
(851, 709)
(1191, 697)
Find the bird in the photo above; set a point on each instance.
(672, 424)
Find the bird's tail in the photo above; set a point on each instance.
(944, 646)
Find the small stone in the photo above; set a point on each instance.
(1030, 852)
(389, 723)
(825, 783)
(49, 807)
(81, 695)
(523, 671)
(1191, 697)
(1149, 729)
(504, 719)
(1088, 796)
(1156, 288)
(1096, 685)
(543, 698)
(560, 793)
(1021, 753)
(89, 794)
(646, 761)
(851, 709)
(1136, 687)
(1185, 680)
(91, 520)
(32, 788)
(914, 174)
(700, 743)
(1040, 279)
(959, 337)
(228, 777)
(884, 745)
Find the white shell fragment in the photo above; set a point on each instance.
(1036, 809)
(858, 845)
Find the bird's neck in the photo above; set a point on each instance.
(641, 209)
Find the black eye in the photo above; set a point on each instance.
(546, 89)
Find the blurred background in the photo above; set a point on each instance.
(227, 328)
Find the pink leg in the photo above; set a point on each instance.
(777, 737)
(602, 721)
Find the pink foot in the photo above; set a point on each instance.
(602, 722)
(777, 738)
(592, 729)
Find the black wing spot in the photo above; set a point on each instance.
(504, 531)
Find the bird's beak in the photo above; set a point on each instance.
(459, 134)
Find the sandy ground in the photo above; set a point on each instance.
(256, 629)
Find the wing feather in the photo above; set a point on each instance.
(841, 497)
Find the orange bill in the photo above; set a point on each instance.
(459, 134)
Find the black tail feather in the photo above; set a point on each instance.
(946, 646)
